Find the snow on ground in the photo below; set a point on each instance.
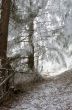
(54, 94)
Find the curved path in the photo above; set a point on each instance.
(54, 94)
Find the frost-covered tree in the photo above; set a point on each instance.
(42, 30)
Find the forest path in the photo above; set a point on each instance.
(55, 94)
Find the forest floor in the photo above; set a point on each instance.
(52, 94)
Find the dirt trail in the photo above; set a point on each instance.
(54, 94)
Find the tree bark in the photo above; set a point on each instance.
(5, 13)
(31, 55)
(4, 27)
(31, 32)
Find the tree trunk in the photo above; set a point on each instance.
(4, 31)
(31, 55)
(31, 32)
(4, 27)
(5, 13)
